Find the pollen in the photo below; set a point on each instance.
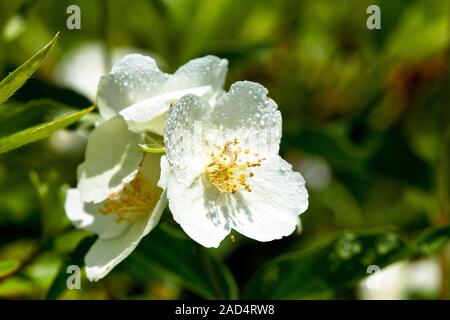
(230, 167)
(137, 199)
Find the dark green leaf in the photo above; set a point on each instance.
(199, 269)
(16, 116)
(432, 240)
(337, 264)
(17, 78)
(40, 131)
(8, 266)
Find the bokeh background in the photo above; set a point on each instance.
(365, 113)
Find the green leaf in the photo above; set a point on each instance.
(15, 116)
(8, 266)
(198, 268)
(18, 77)
(432, 240)
(40, 131)
(337, 264)
(59, 284)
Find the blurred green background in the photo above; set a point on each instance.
(366, 120)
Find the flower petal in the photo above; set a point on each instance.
(182, 137)
(245, 113)
(134, 78)
(150, 168)
(202, 77)
(199, 216)
(249, 115)
(112, 159)
(150, 114)
(205, 71)
(270, 211)
(86, 216)
(81, 69)
(105, 254)
(165, 173)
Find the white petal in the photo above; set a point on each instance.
(134, 78)
(86, 216)
(199, 215)
(193, 126)
(182, 137)
(150, 114)
(270, 211)
(104, 255)
(246, 113)
(81, 69)
(205, 71)
(112, 159)
(150, 167)
(165, 173)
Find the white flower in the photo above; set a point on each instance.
(133, 99)
(121, 220)
(82, 67)
(222, 170)
(117, 196)
(142, 94)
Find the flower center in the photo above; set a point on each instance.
(134, 201)
(230, 167)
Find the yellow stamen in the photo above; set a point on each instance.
(227, 171)
(136, 199)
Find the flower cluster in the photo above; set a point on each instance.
(220, 171)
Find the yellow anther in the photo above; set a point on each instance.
(134, 201)
(227, 170)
